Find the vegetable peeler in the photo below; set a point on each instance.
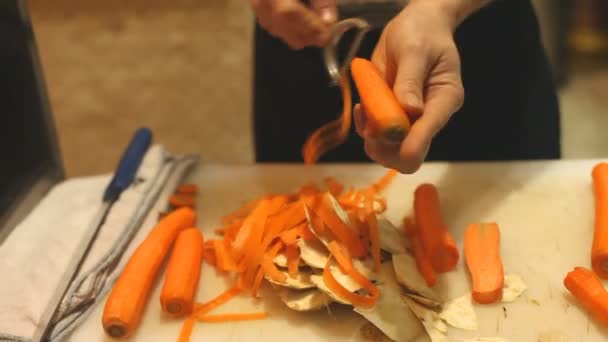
(122, 179)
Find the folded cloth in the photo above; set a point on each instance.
(33, 258)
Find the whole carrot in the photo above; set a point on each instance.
(482, 253)
(385, 116)
(436, 238)
(587, 288)
(124, 306)
(599, 249)
(182, 274)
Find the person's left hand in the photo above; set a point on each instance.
(418, 58)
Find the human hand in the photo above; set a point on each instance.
(419, 60)
(296, 24)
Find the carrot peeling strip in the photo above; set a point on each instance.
(422, 259)
(290, 237)
(342, 256)
(181, 200)
(242, 212)
(268, 264)
(223, 259)
(292, 252)
(338, 228)
(224, 297)
(231, 317)
(351, 297)
(482, 254)
(385, 181)
(333, 186)
(588, 289)
(186, 332)
(257, 282)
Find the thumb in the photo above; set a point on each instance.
(326, 9)
(410, 77)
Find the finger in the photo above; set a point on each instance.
(385, 155)
(359, 118)
(326, 9)
(410, 77)
(296, 23)
(442, 101)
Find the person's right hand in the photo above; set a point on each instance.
(296, 24)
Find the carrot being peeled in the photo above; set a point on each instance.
(482, 254)
(385, 117)
(599, 249)
(436, 239)
(125, 304)
(588, 289)
(182, 273)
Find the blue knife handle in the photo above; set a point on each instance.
(127, 168)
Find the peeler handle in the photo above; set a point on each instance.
(129, 163)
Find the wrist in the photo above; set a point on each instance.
(454, 11)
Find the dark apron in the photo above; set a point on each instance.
(510, 111)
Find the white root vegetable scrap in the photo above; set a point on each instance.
(306, 300)
(281, 261)
(459, 313)
(407, 275)
(300, 281)
(514, 286)
(434, 326)
(313, 253)
(391, 237)
(391, 315)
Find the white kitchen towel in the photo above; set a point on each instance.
(33, 258)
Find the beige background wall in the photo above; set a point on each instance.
(183, 67)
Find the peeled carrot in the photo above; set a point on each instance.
(482, 254)
(436, 238)
(385, 116)
(125, 304)
(182, 274)
(599, 249)
(588, 289)
(423, 262)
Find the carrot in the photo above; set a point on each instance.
(125, 304)
(435, 237)
(292, 252)
(385, 116)
(182, 274)
(351, 297)
(231, 317)
(188, 189)
(599, 249)
(422, 259)
(482, 254)
(588, 289)
(339, 228)
(181, 200)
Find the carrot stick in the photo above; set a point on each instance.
(423, 262)
(482, 254)
(385, 116)
(436, 239)
(292, 252)
(588, 289)
(181, 200)
(599, 249)
(231, 317)
(182, 274)
(125, 304)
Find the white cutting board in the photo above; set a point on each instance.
(544, 209)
